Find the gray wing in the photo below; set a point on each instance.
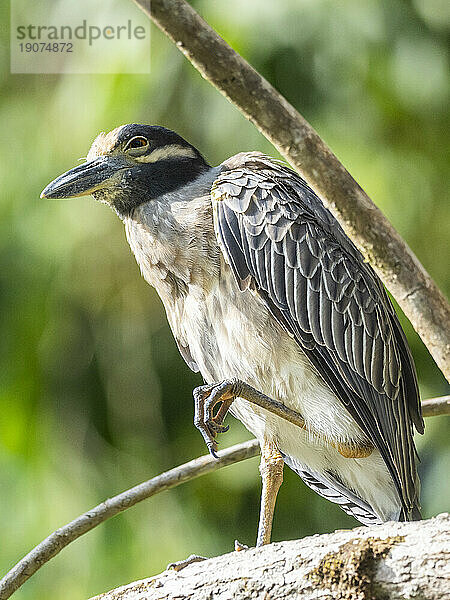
(327, 486)
(279, 238)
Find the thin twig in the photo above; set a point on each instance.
(60, 538)
(417, 294)
(63, 536)
(435, 407)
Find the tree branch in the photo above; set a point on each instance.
(393, 560)
(60, 538)
(63, 536)
(436, 406)
(417, 294)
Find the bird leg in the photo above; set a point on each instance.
(206, 397)
(210, 425)
(271, 469)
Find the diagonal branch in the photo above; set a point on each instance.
(433, 407)
(417, 294)
(63, 536)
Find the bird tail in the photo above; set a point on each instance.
(329, 487)
(412, 514)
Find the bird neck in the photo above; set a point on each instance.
(172, 236)
(175, 212)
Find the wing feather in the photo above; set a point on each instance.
(275, 231)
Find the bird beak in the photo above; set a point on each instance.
(84, 179)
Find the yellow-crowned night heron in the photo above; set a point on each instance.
(268, 298)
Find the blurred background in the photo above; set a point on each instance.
(94, 396)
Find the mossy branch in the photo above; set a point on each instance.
(393, 560)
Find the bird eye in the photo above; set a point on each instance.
(137, 142)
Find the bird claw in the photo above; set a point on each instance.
(238, 547)
(217, 427)
(206, 398)
(181, 564)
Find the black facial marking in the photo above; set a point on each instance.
(148, 181)
(144, 181)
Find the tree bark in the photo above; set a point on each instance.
(400, 270)
(395, 560)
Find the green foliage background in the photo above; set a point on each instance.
(93, 394)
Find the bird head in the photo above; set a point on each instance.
(130, 165)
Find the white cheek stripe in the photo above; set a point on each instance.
(166, 152)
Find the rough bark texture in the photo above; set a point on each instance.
(394, 561)
(404, 276)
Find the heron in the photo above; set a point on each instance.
(267, 297)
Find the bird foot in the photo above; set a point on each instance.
(206, 398)
(181, 564)
(193, 558)
(238, 547)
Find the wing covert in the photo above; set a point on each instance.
(279, 238)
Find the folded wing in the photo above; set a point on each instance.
(278, 237)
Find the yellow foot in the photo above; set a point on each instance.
(238, 547)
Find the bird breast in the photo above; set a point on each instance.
(229, 332)
(232, 334)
